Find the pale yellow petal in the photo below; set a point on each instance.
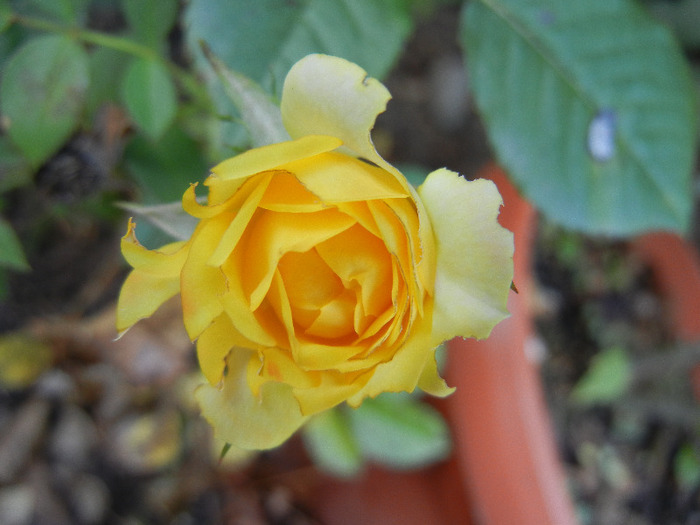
(166, 261)
(141, 295)
(213, 346)
(244, 420)
(431, 382)
(154, 280)
(269, 157)
(474, 255)
(325, 95)
(278, 365)
(335, 388)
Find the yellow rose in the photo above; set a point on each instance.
(317, 274)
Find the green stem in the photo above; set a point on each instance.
(92, 37)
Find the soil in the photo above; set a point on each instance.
(85, 442)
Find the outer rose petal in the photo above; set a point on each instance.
(155, 271)
(269, 157)
(474, 262)
(135, 305)
(325, 95)
(244, 420)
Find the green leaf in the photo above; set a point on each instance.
(260, 115)
(169, 218)
(151, 21)
(149, 96)
(590, 108)
(400, 432)
(166, 169)
(107, 69)
(262, 39)
(6, 15)
(330, 441)
(14, 169)
(70, 12)
(11, 253)
(686, 466)
(606, 380)
(683, 16)
(42, 92)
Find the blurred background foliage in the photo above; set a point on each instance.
(589, 106)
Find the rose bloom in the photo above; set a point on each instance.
(317, 274)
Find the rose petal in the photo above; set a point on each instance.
(309, 281)
(244, 420)
(275, 234)
(325, 95)
(213, 346)
(134, 304)
(244, 212)
(201, 285)
(336, 177)
(157, 271)
(269, 157)
(403, 372)
(285, 193)
(358, 256)
(167, 260)
(335, 388)
(431, 383)
(278, 365)
(474, 261)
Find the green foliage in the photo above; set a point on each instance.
(149, 95)
(263, 38)
(11, 253)
(42, 91)
(686, 467)
(14, 168)
(105, 66)
(332, 444)
(395, 430)
(165, 170)
(259, 114)
(151, 21)
(606, 380)
(71, 12)
(589, 107)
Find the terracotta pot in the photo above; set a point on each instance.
(675, 264)
(504, 468)
(503, 438)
